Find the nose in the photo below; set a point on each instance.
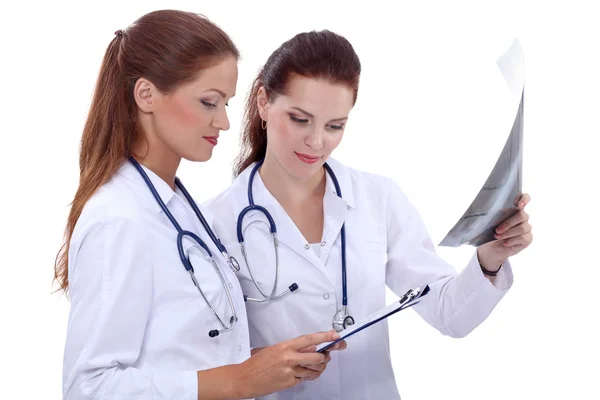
(314, 140)
(221, 121)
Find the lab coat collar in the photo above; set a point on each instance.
(165, 192)
(343, 176)
(262, 196)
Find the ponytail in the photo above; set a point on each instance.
(106, 142)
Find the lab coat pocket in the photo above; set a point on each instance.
(374, 266)
(375, 242)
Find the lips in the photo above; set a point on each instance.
(306, 158)
(212, 139)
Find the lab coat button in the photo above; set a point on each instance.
(306, 246)
(326, 296)
(230, 286)
(323, 243)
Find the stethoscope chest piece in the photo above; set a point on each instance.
(233, 263)
(342, 320)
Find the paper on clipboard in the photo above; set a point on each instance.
(496, 200)
(411, 298)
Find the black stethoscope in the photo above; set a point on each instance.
(342, 319)
(181, 234)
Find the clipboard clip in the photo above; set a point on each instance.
(413, 294)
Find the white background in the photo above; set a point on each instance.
(427, 115)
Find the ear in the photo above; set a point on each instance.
(144, 93)
(262, 102)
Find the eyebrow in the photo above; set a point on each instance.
(220, 92)
(312, 116)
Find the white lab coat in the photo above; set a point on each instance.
(138, 327)
(386, 244)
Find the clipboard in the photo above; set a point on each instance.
(409, 299)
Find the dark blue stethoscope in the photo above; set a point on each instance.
(342, 319)
(181, 234)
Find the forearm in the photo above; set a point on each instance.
(220, 383)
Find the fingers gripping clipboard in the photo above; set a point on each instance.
(409, 299)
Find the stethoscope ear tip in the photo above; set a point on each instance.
(213, 333)
(293, 287)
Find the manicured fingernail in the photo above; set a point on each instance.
(336, 336)
(506, 242)
(522, 204)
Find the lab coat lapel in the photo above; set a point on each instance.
(336, 209)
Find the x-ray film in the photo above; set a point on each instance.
(497, 199)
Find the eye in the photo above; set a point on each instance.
(336, 127)
(207, 104)
(298, 120)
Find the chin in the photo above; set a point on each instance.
(202, 156)
(300, 170)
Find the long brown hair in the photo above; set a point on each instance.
(316, 54)
(167, 47)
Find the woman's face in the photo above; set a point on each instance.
(306, 123)
(186, 122)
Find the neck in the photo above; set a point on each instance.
(289, 190)
(157, 157)
(165, 170)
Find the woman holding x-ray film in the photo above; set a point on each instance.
(317, 241)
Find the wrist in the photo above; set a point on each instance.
(488, 272)
(489, 266)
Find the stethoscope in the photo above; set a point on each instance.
(181, 234)
(342, 319)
